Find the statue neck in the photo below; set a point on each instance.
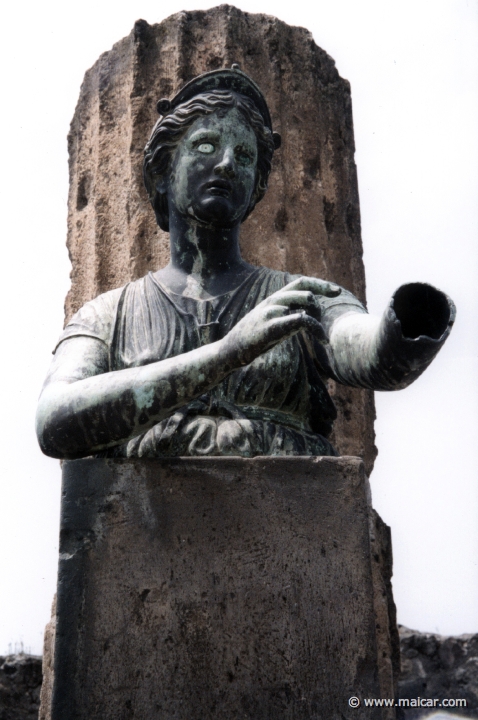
(206, 255)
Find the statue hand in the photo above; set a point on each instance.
(278, 317)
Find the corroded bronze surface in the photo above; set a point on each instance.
(211, 355)
(308, 222)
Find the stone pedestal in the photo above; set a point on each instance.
(226, 588)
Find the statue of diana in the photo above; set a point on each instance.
(210, 355)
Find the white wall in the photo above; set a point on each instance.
(413, 69)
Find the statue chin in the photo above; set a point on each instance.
(216, 212)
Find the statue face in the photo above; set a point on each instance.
(213, 170)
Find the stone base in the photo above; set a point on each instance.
(226, 588)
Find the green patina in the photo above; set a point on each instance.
(211, 355)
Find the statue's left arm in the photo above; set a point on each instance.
(390, 352)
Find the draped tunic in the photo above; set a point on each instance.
(276, 405)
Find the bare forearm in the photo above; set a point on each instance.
(390, 352)
(78, 418)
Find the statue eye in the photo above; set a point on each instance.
(243, 158)
(206, 147)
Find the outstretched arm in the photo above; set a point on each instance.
(390, 352)
(84, 408)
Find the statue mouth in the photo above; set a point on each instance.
(219, 188)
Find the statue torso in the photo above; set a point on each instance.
(277, 405)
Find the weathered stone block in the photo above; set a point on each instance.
(218, 588)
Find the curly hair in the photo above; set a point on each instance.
(169, 130)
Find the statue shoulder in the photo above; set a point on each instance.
(96, 318)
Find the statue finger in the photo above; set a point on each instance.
(299, 300)
(315, 285)
(301, 320)
(275, 311)
(315, 328)
(293, 299)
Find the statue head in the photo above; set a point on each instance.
(217, 92)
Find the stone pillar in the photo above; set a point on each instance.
(309, 221)
(219, 588)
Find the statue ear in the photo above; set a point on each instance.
(161, 183)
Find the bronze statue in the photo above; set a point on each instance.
(210, 355)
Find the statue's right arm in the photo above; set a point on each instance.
(85, 408)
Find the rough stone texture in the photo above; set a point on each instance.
(388, 642)
(434, 666)
(426, 669)
(20, 682)
(309, 221)
(216, 588)
(47, 666)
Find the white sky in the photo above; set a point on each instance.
(413, 67)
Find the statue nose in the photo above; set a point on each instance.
(227, 165)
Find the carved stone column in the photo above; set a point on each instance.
(309, 221)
